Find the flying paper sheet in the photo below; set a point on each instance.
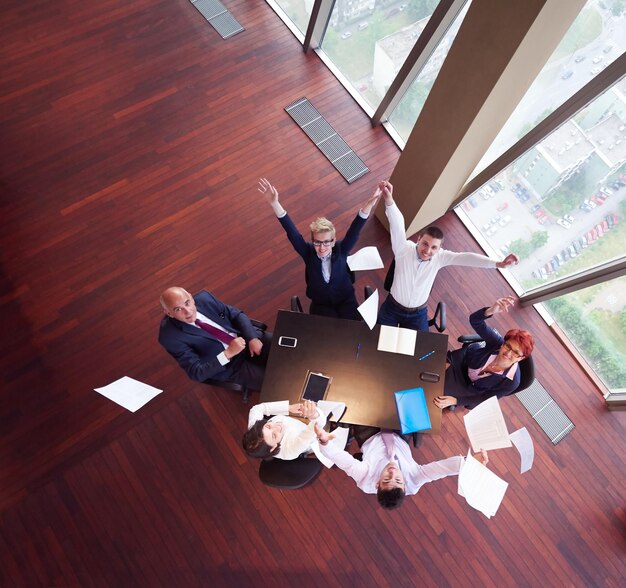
(129, 393)
(482, 489)
(524, 444)
(485, 426)
(369, 310)
(367, 258)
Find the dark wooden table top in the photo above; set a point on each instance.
(366, 380)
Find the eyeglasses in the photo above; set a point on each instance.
(510, 349)
(326, 243)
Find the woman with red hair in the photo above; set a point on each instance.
(482, 370)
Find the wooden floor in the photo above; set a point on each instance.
(132, 137)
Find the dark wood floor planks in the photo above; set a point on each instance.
(133, 136)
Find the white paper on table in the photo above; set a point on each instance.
(485, 426)
(369, 310)
(397, 340)
(524, 444)
(129, 393)
(367, 258)
(480, 487)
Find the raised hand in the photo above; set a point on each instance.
(309, 409)
(323, 436)
(501, 305)
(372, 201)
(269, 192)
(387, 191)
(510, 259)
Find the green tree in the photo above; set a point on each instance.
(539, 239)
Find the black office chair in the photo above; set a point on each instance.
(296, 305)
(289, 474)
(234, 386)
(526, 366)
(438, 319)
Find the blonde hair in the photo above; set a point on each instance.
(322, 225)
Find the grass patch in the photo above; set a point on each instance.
(586, 28)
(611, 325)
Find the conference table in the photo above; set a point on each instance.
(362, 377)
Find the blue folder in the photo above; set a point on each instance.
(412, 410)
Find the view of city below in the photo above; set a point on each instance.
(562, 196)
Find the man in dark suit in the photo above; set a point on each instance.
(211, 340)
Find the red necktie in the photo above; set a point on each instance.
(220, 335)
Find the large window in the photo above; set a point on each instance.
(561, 206)
(594, 320)
(298, 12)
(595, 39)
(369, 40)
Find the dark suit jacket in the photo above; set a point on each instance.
(340, 287)
(458, 384)
(195, 350)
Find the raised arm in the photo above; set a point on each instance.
(477, 320)
(258, 411)
(397, 229)
(372, 201)
(356, 469)
(271, 196)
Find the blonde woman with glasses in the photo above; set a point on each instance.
(329, 281)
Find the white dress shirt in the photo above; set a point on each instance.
(298, 437)
(367, 473)
(413, 279)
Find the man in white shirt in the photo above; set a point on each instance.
(388, 468)
(417, 265)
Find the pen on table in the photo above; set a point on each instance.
(425, 356)
(358, 347)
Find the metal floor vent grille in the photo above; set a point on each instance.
(546, 412)
(218, 17)
(306, 116)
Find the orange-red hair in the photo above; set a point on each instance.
(523, 338)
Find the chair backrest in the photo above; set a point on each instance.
(289, 474)
(389, 277)
(527, 373)
(295, 304)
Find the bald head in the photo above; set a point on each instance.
(178, 304)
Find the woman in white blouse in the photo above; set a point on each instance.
(286, 437)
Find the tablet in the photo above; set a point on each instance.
(315, 386)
